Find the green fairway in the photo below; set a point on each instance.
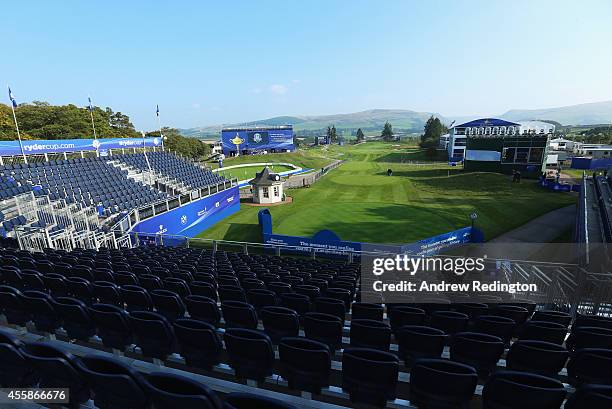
(248, 172)
(360, 202)
(305, 158)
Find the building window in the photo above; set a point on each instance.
(535, 155)
(266, 192)
(276, 191)
(522, 155)
(508, 155)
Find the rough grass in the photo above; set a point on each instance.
(360, 202)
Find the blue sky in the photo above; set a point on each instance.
(217, 62)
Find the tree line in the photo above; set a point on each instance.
(41, 120)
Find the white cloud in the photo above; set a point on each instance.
(278, 89)
(196, 105)
(256, 90)
(296, 81)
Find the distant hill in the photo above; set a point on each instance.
(595, 113)
(583, 114)
(373, 119)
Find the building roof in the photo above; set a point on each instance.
(265, 178)
(477, 123)
(561, 140)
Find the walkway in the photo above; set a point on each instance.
(543, 229)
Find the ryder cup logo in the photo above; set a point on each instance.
(257, 138)
(96, 143)
(155, 141)
(183, 219)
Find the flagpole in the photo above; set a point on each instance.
(144, 150)
(25, 159)
(93, 125)
(160, 129)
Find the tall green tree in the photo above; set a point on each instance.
(387, 132)
(432, 132)
(175, 142)
(360, 135)
(332, 134)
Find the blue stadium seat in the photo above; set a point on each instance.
(438, 383)
(590, 366)
(324, 328)
(170, 391)
(590, 397)
(198, 343)
(365, 333)
(15, 370)
(537, 356)
(369, 375)
(280, 322)
(114, 384)
(306, 364)
(57, 369)
(415, 342)
(521, 390)
(250, 352)
(153, 334)
(481, 351)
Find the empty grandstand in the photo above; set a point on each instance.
(173, 327)
(93, 202)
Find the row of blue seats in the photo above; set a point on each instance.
(110, 382)
(170, 165)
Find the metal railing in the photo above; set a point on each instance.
(125, 223)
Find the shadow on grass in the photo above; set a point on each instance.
(243, 232)
(412, 155)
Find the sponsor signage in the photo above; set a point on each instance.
(37, 147)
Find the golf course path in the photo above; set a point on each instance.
(543, 229)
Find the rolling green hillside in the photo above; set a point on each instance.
(411, 121)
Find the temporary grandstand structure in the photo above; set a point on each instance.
(93, 202)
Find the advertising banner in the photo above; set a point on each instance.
(326, 241)
(193, 218)
(34, 147)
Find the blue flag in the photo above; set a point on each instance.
(12, 98)
(90, 107)
(157, 111)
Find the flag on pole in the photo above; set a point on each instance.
(90, 107)
(12, 98)
(157, 111)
